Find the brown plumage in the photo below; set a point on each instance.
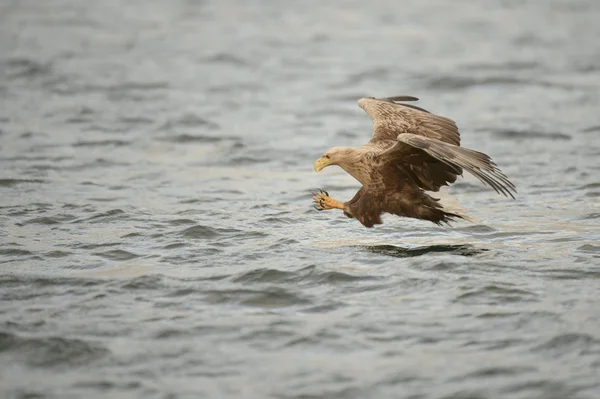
(410, 152)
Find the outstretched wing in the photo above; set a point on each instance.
(391, 119)
(426, 147)
(413, 152)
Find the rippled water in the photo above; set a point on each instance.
(157, 231)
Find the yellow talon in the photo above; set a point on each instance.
(324, 202)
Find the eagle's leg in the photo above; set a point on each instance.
(324, 202)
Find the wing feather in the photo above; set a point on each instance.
(457, 158)
(391, 119)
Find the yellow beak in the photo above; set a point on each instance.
(320, 164)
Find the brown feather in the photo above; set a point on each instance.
(395, 193)
(391, 119)
(478, 164)
(411, 151)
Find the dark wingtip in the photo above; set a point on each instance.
(394, 100)
(401, 98)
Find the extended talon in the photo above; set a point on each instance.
(324, 202)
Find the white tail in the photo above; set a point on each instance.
(450, 204)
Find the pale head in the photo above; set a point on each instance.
(333, 156)
(352, 160)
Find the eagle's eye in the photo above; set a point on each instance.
(326, 156)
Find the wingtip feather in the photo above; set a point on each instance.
(402, 98)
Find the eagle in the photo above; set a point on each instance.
(412, 153)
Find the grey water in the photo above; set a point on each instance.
(157, 235)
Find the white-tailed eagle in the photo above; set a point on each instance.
(411, 152)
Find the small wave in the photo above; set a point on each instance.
(225, 58)
(152, 282)
(265, 275)
(462, 82)
(477, 228)
(269, 298)
(103, 217)
(508, 66)
(97, 163)
(27, 68)
(167, 333)
(591, 185)
(508, 234)
(131, 235)
(94, 246)
(104, 199)
(130, 86)
(595, 215)
(40, 282)
(307, 275)
(330, 340)
(175, 245)
(180, 222)
(589, 248)
(247, 160)
(52, 351)
(496, 294)
(278, 220)
(76, 120)
(375, 74)
(236, 88)
(496, 344)
(117, 254)
(330, 306)
(269, 334)
(189, 120)
(567, 344)
(526, 134)
(494, 372)
(445, 83)
(57, 254)
(335, 277)
(14, 182)
(282, 245)
(199, 232)
(345, 133)
(101, 143)
(571, 274)
(136, 120)
(199, 254)
(591, 129)
(194, 138)
(49, 220)
(542, 388)
(194, 201)
(180, 292)
(496, 315)
(14, 252)
(226, 191)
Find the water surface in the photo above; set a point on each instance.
(156, 223)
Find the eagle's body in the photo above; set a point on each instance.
(411, 152)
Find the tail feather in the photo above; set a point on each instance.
(449, 205)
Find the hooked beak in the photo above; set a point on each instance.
(321, 163)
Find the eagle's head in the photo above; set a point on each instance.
(333, 156)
